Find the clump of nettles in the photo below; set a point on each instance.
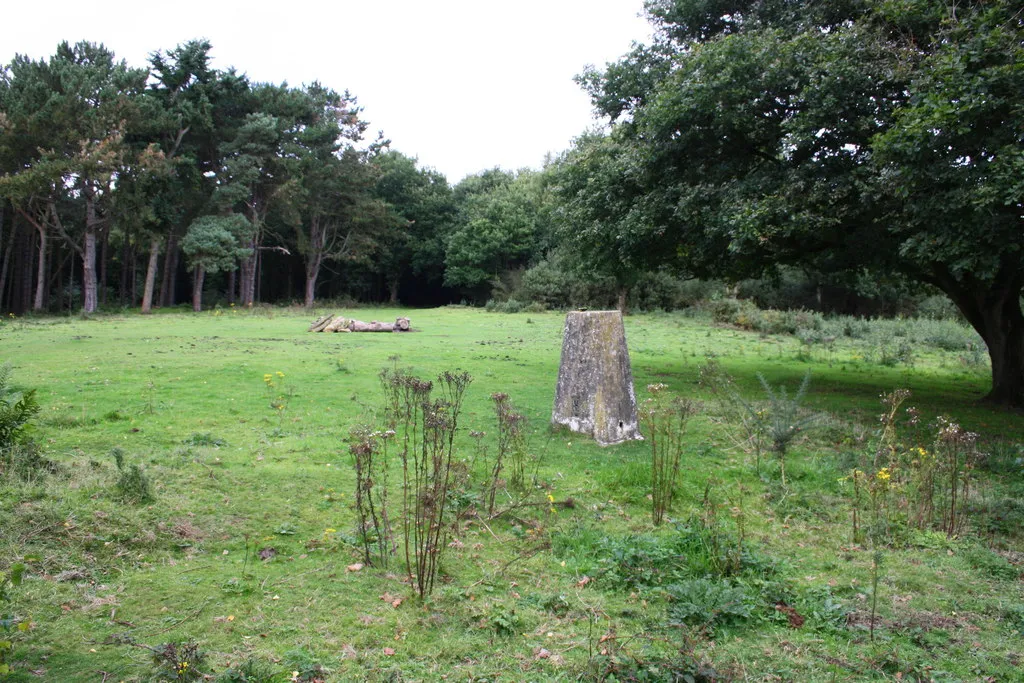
(132, 483)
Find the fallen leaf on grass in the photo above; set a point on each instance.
(389, 651)
(393, 600)
(354, 567)
(583, 582)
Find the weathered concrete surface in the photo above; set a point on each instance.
(595, 381)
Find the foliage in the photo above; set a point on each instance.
(644, 561)
(8, 582)
(501, 225)
(794, 134)
(16, 412)
(774, 424)
(708, 603)
(603, 217)
(414, 255)
(305, 666)
(27, 462)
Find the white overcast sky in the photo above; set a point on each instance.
(464, 85)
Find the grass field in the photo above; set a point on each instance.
(249, 544)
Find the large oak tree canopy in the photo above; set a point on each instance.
(845, 136)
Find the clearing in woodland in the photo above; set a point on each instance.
(226, 495)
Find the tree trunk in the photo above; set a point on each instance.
(994, 311)
(169, 280)
(247, 279)
(37, 303)
(89, 301)
(1005, 340)
(393, 290)
(232, 285)
(154, 260)
(134, 286)
(197, 289)
(623, 295)
(122, 285)
(312, 272)
(5, 268)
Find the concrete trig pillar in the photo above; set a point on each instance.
(595, 382)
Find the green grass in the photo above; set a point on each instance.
(535, 594)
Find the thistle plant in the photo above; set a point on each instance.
(425, 429)
(957, 453)
(511, 448)
(370, 459)
(877, 561)
(664, 418)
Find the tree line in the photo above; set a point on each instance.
(142, 187)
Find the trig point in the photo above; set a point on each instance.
(595, 382)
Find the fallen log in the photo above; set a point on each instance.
(400, 325)
(331, 323)
(339, 324)
(320, 323)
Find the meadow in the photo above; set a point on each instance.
(222, 532)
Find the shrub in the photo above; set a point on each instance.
(728, 310)
(939, 307)
(132, 483)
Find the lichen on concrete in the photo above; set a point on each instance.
(595, 392)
